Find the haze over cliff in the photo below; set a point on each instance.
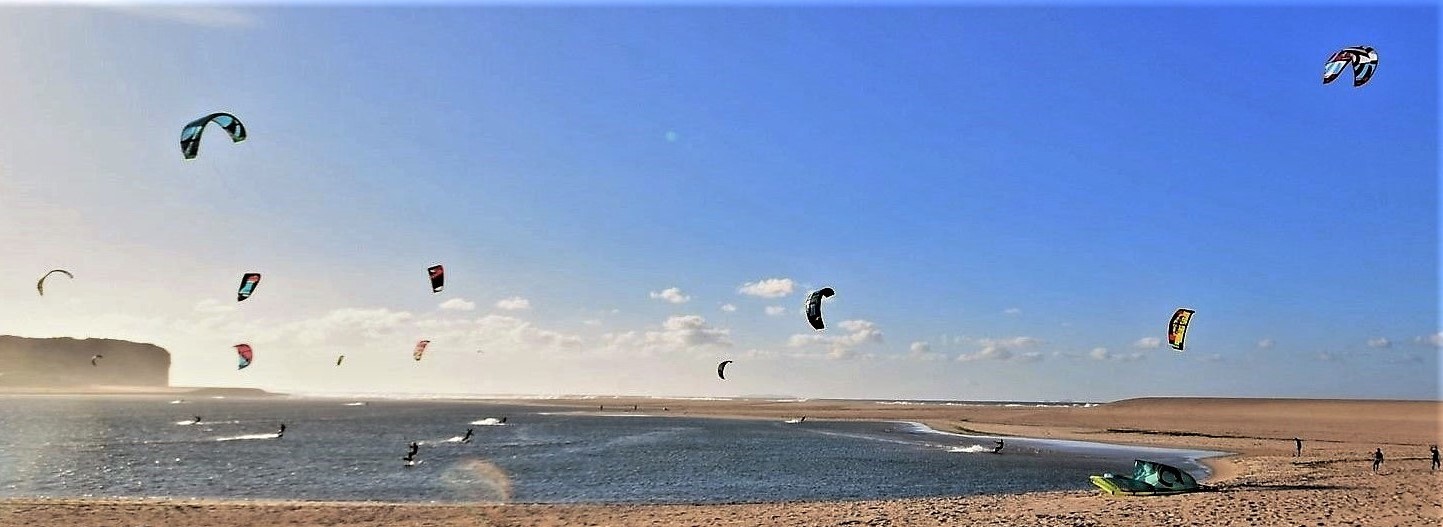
(65, 363)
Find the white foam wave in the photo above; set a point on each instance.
(489, 421)
(248, 437)
(974, 449)
(358, 403)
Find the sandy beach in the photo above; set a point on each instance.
(1331, 484)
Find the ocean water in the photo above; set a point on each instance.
(351, 451)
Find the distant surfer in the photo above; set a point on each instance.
(196, 421)
(1297, 447)
(1434, 450)
(1377, 459)
(411, 455)
(282, 432)
(467, 439)
(998, 449)
(503, 420)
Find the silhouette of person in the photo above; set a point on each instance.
(282, 431)
(1298, 447)
(1434, 449)
(998, 449)
(1377, 459)
(411, 455)
(467, 439)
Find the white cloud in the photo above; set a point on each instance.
(212, 306)
(347, 325)
(1012, 311)
(514, 303)
(1148, 343)
(591, 322)
(728, 308)
(1328, 356)
(922, 351)
(1267, 344)
(776, 311)
(458, 304)
(1435, 340)
(1031, 356)
(1103, 354)
(502, 328)
(861, 332)
(671, 294)
(1380, 342)
(1002, 349)
(678, 333)
(769, 288)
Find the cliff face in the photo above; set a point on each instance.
(65, 362)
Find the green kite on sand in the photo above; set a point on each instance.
(1148, 479)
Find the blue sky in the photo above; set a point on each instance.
(1010, 202)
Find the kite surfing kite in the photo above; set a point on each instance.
(190, 135)
(94, 358)
(339, 359)
(243, 351)
(1363, 59)
(1148, 479)
(420, 349)
(40, 286)
(438, 277)
(249, 281)
(721, 369)
(814, 306)
(1177, 328)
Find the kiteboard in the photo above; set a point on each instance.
(412, 462)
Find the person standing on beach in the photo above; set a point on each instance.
(1377, 459)
(1298, 447)
(1434, 450)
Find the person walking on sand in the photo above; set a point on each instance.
(1377, 459)
(1434, 450)
(1297, 447)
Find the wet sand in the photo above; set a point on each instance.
(1330, 485)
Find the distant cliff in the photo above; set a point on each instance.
(65, 363)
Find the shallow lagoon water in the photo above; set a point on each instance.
(336, 450)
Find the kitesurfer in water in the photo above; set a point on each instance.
(282, 432)
(196, 421)
(1377, 459)
(411, 455)
(467, 439)
(997, 449)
